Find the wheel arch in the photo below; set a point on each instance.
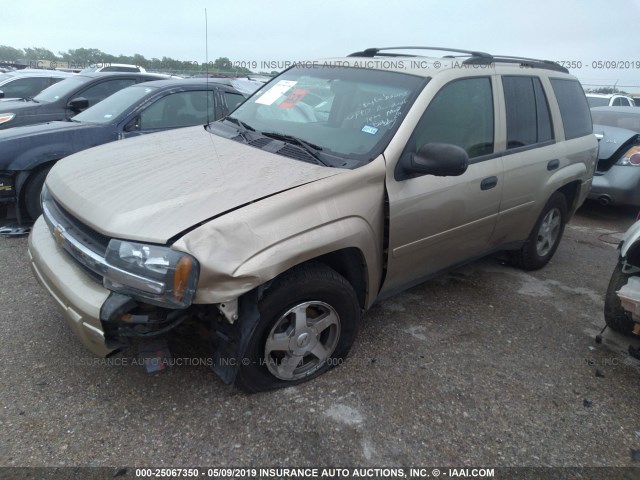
(571, 194)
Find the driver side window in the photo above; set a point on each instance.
(102, 90)
(460, 114)
(182, 109)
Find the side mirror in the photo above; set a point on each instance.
(440, 159)
(133, 125)
(78, 104)
(1, 94)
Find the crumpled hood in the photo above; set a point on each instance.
(613, 139)
(153, 187)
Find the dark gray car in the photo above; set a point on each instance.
(68, 98)
(28, 153)
(617, 177)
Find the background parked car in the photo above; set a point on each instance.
(617, 176)
(113, 67)
(29, 82)
(27, 153)
(609, 100)
(68, 97)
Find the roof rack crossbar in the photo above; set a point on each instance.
(475, 57)
(523, 61)
(370, 52)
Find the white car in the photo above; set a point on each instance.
(609, 100)
(113, 67)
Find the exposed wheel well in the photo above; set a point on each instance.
(348, 262)
(570, 192)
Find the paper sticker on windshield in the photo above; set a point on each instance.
(370, 130)
(275, 92)
(293, 98)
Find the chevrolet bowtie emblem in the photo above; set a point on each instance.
(57, 234)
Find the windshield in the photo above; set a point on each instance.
(597, 101)
(89, 69)
(60, 89)
(615, 119)
(345, 112)
(4, 76)
(115, 105)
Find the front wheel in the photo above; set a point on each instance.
(615, 316)
(32, 193)
(545, 236)
(309, 318)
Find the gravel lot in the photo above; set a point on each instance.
(486, 366)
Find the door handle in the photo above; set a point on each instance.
(553, 164)
(488, 183)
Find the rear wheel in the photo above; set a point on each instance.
(615, 316)
(32, 193)
(308, 320)
(545, 236)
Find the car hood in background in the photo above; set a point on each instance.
(28, 144)
(612, 139)
(154, 187)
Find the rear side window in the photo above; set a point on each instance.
(528, 118)
(574, 108)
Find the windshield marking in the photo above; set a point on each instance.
(293, 98)
(275, 92)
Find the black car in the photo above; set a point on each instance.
(27, 153)
(68, 98)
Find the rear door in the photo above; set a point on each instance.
(530, 158)
(436, 222)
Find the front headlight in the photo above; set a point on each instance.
(6, 117)
(151, 273)
(631, 157)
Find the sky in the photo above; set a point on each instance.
(251, 32)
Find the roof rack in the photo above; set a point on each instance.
(475, 57)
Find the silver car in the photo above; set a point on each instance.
(617, 177)
(29, 82)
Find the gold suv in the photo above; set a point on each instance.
(340, 182)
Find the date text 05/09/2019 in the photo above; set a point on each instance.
(300, 473)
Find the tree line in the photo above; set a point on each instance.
(89, 56)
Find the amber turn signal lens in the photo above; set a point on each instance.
(181, 277)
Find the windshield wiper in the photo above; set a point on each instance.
(310, 148)
(240, 123)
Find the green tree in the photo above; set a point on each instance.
(85, 56)
(39, 53)
(223, 64)
(10, 53)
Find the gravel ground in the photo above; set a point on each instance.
(485, 366)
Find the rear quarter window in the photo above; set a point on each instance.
(574, 109)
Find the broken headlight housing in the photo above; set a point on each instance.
(151, 273)
(631, 157)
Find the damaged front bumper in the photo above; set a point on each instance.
(78, 296)
(7, 187)
(629, 296)
(101, 319)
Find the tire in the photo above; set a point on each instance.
(545, 236)
(309, 319)
(32, 193)
(615, 316)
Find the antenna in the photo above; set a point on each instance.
(206, 54)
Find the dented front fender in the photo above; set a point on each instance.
(248, 247)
